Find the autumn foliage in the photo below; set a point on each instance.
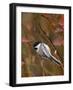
(47, 28)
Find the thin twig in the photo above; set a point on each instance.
(52, 45)
(50, 41)
(45, 71)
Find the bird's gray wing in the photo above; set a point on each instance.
(41, 52)
(45, 51)
(49, 55)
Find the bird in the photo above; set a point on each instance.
(44, 51)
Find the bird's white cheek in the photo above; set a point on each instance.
(37, 50)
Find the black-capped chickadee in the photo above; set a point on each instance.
(43, 50)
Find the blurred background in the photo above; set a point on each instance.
(47, 28)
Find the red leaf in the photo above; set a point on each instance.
(58, 42)
(25, 40)
(61, 22)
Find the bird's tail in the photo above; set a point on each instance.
(56, 60)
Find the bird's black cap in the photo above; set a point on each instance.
(36, 43)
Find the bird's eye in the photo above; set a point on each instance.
(35, 48)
